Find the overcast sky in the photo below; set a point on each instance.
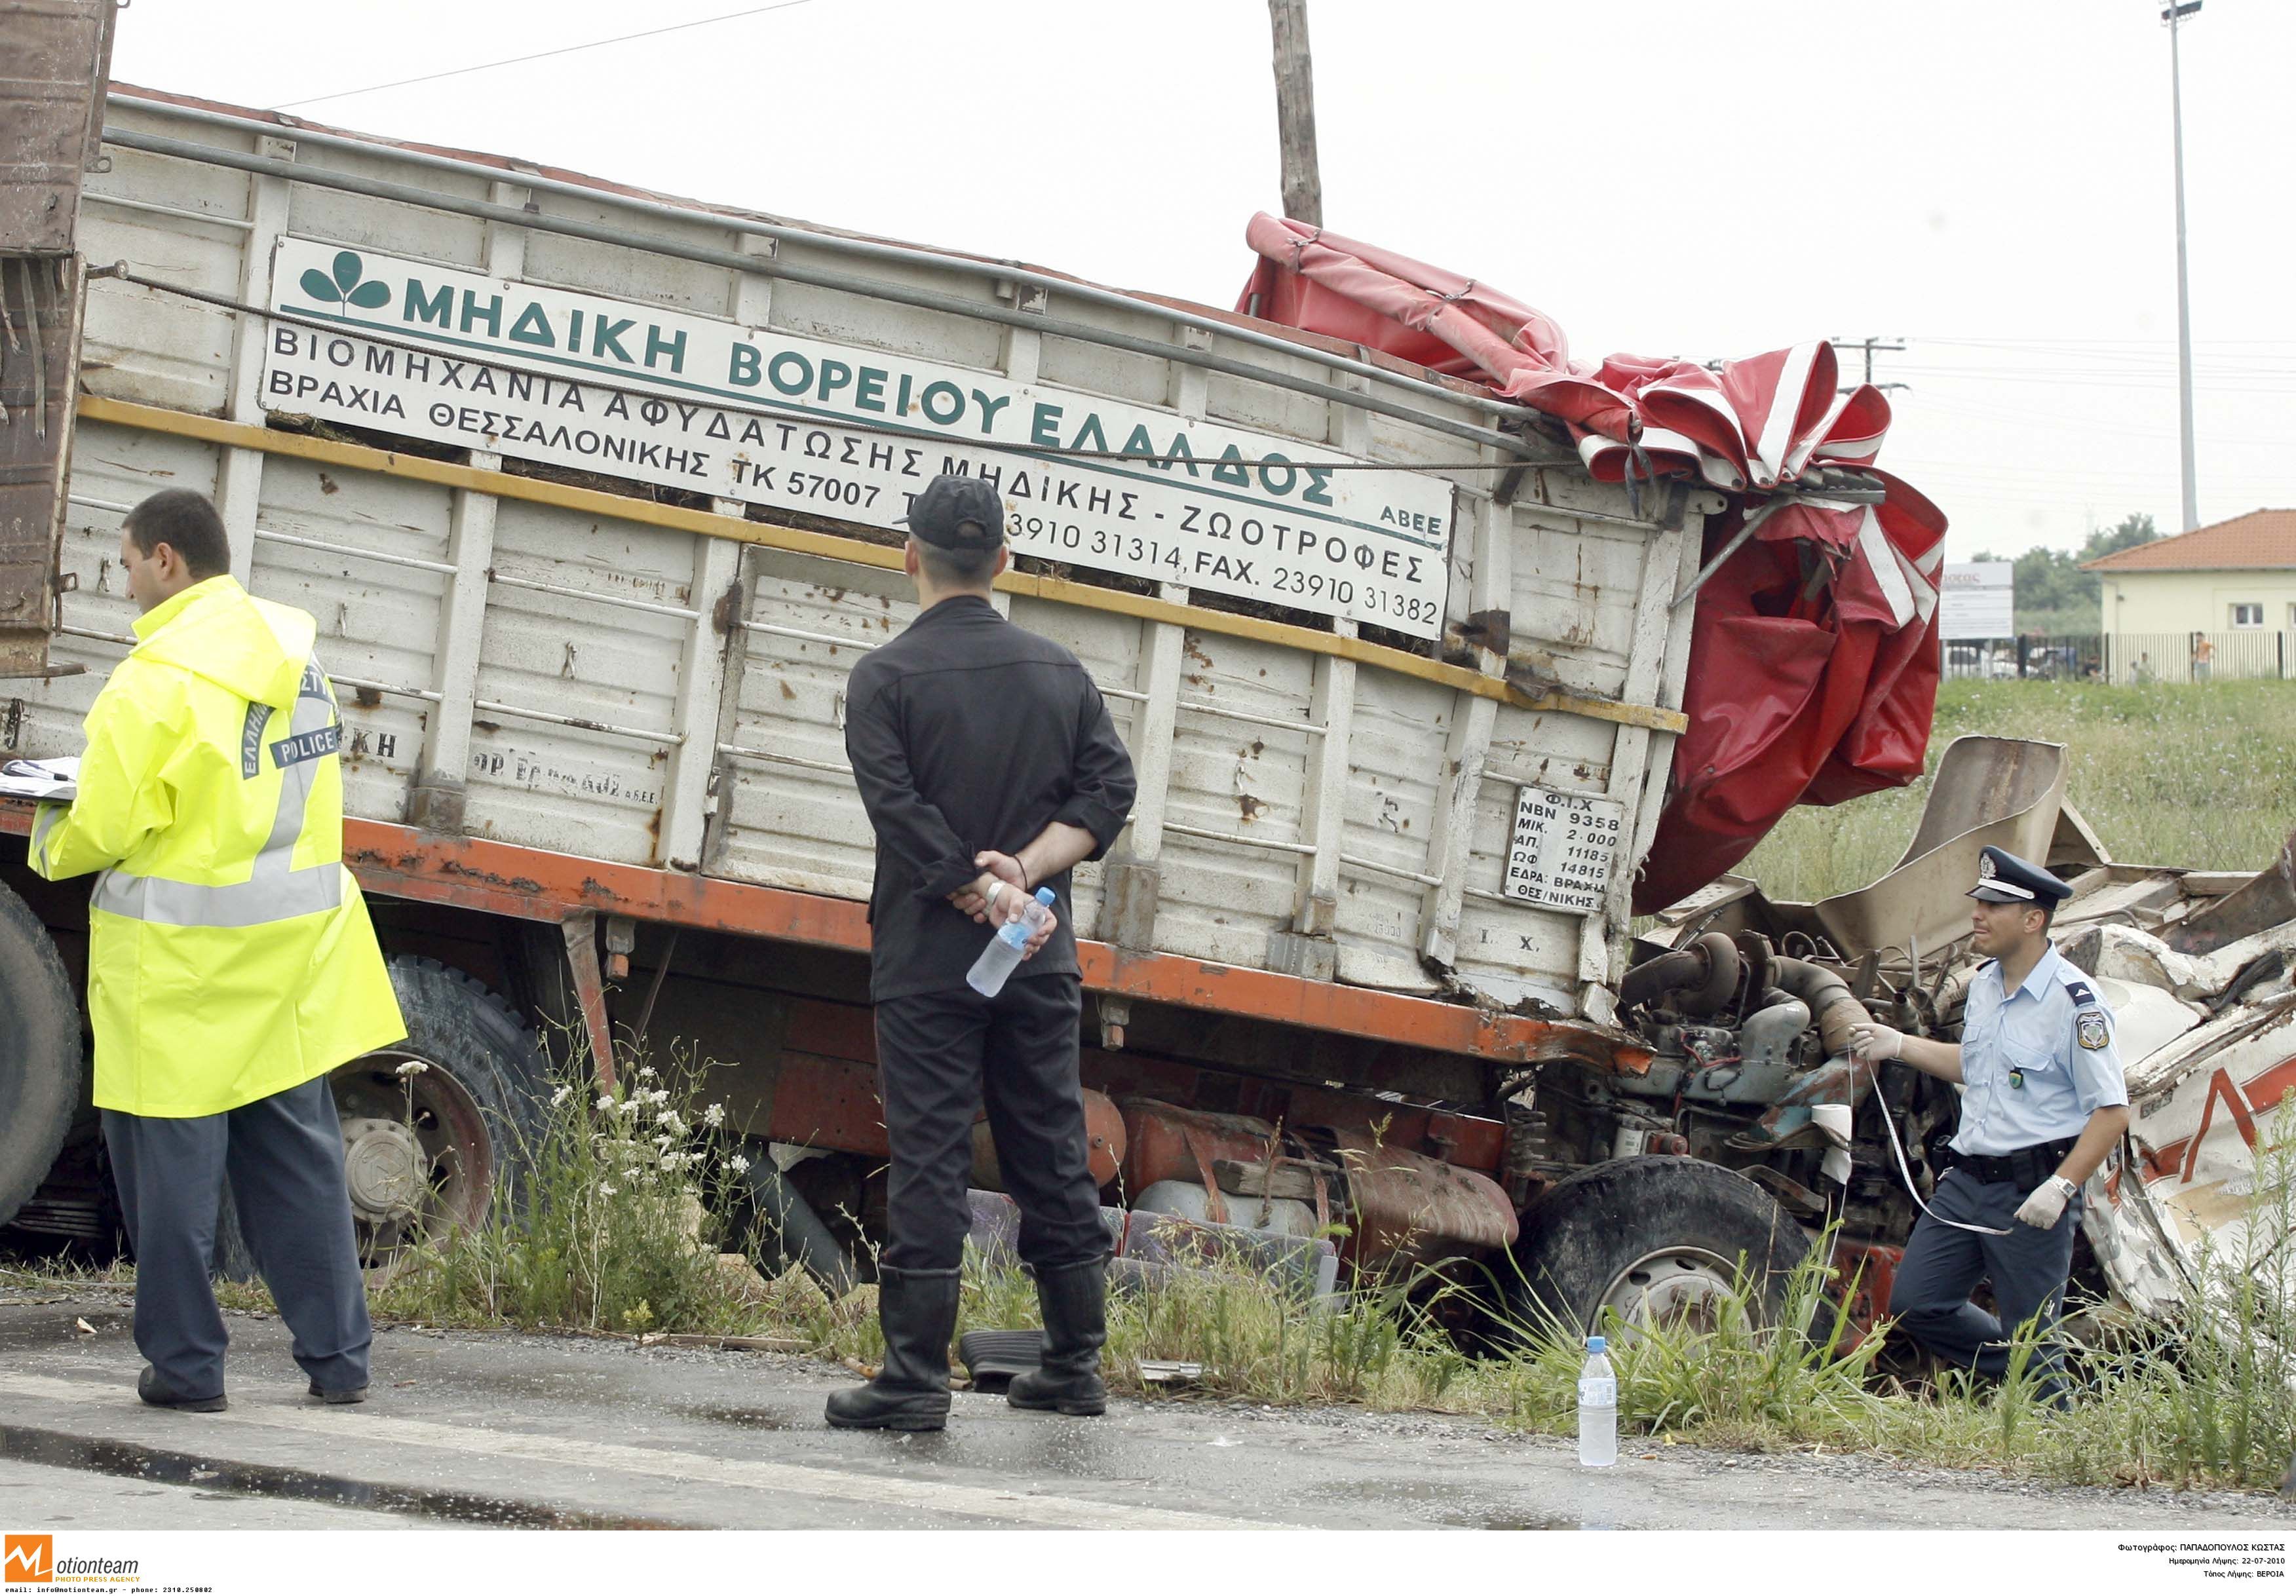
(1988, 182)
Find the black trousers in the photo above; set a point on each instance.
(2027, 1268)
(283, 1156)
(939, 1054)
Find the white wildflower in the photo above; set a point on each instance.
(738, 1163)
(672, 1121)
(607, 1189)
(558, 1098)
(412, 1066)
(645, 1072)
(605, 1103)
(714, 1116)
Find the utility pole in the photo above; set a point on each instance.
(1872, 346)
(2174, 14)
(1295, 111)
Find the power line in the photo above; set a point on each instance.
(490, 66)
(1871, 346)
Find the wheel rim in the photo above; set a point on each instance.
(1675, 1285)
(417, 1154)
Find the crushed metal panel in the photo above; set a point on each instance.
(2203, 1105)
(1989, 791)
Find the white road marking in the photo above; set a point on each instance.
(933, 1496)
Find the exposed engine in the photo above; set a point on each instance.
(1746, 1044)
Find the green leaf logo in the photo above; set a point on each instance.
(344, 288)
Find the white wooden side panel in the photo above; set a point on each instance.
(111, 466)
(593, 792)
(1395, 785)
(801, 825)
(1236, 779)
(139, 344)
(1106, 646)
(379, 624)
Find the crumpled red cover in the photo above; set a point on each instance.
(1814, 655)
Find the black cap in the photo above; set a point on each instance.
(956, 512)
(2002, 877)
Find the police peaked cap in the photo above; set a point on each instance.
(2002, 877)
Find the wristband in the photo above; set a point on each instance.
(994, 888)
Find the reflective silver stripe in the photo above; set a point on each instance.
(275, 889)
(44, 825)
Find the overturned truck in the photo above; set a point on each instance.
(592, 492)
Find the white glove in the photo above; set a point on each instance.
(1872, 1042)
(2047, 1205)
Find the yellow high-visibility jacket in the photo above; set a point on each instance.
(230, 956)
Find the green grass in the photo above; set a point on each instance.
(2202, 776)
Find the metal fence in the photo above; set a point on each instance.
(2126, 658)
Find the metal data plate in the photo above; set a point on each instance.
(1565, 849)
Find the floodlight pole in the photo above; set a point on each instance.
(2174, 15)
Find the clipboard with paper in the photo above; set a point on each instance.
(54, 780)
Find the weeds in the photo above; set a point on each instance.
(608, 1221)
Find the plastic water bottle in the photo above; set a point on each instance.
(998, 960)
(1598, 1409)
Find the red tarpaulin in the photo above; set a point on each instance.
(1814, 649)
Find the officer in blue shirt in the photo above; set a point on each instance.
(2043, 1101)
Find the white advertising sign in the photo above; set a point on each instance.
(745, 412)
(1565, 846)
(1978, 599)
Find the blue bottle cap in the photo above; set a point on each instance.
(1596, 1343)
(1045, 896)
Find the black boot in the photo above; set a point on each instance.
(917, 1309)
(1075, 1301)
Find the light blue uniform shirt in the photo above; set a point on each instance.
(2036, 1062)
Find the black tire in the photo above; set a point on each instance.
(1637, 1228)
(478, 1106)
(42, 1063)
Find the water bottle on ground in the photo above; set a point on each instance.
(1598, 1409)
(999, 959)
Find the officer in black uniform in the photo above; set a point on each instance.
(2043, 1101)
(990, 769)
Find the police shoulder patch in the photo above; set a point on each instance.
(2090, 1030)
(2080, 992)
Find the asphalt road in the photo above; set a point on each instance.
(540, 1431)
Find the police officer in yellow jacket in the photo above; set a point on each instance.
(231, 964)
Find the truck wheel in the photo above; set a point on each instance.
(434, 1147)
(41, 1063)
(1657, 1240)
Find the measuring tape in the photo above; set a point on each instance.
(1906, 1170)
